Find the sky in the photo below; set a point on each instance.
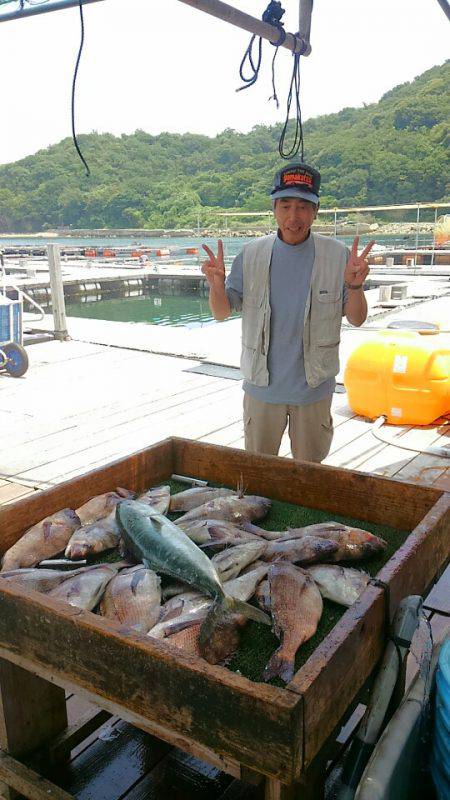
(161, 65)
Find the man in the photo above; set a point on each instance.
(293, 289)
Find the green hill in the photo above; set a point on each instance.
(393, 151)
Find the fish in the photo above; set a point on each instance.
(94, 538)
(133, 598)
(262, 595)
(235, 509)
(158, 498)
(172, 589)
(41, 580)
(220, 634)
(342, 585)
(296, 608)
(192, 498)
(355, 544)
(231, 561)
(303, 550)
(162, 546)
(179, 617)
(85, 590)
(190, 608)
(43, 540)
(187, 639)
(215, 531)
(101, 506)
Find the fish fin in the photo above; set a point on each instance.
(249, 611)
(279, 667)
(240, 488)
(47, 528)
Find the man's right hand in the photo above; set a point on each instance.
(214, 268)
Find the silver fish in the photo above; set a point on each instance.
(235, 509)
(231, 561)
(193, 498)
(161, 545)
(342, 585)
(215, 531)
(133, 598)
(304, 550)
(41, 580)
(95, 538)
(158, 498)
(100, 506)
(85, 589)
(43, 540)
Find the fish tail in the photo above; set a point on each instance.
(233, 606)
(250, 528)
(280, 665)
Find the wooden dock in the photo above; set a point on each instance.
(116, 388)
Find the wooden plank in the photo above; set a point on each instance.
(145, 682)
(439, 597)
(351, 649)
(12, 491)
(32, 711)
(29, 783)
(152, 465)
(61, 747)
(414, 566)
(355, 494)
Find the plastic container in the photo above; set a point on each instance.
(10, 320)
(403, 375)
(440, 757)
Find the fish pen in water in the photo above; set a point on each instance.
(211, 711)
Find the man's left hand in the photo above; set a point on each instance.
(357, 267)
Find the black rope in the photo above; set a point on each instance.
(272, 15)
(74, 135)
(297, 144)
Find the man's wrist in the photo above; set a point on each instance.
(353, 285)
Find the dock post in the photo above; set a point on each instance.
(57, 290)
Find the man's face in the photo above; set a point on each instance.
(294, 217)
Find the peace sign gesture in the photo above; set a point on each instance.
(214, 268)
(357, 267)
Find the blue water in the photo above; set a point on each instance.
(232, 244)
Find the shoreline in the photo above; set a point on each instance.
(342, 229)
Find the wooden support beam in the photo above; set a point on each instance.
(251, 24)
(29, 783)
(32, 711)
(60, 748)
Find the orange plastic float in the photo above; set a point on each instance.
(401, 374)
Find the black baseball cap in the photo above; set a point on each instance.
(297, 180)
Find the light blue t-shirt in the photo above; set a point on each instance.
(290, 278)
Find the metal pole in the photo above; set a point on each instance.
(235, 17)
(304, 21)
(444, 4)
(57, 290)
(335, 222)
(31, 11)
(417, 227)
(434, 238)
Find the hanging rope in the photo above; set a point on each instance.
(74, 83)
(272, 15)
(294, 89)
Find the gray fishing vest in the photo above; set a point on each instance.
(323, 312)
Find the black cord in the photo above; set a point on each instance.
(248, 55)
(74, 135)
(298, 134)
(272, 15)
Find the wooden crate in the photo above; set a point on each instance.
(243, 727)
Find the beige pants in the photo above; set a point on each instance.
(310, 428)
